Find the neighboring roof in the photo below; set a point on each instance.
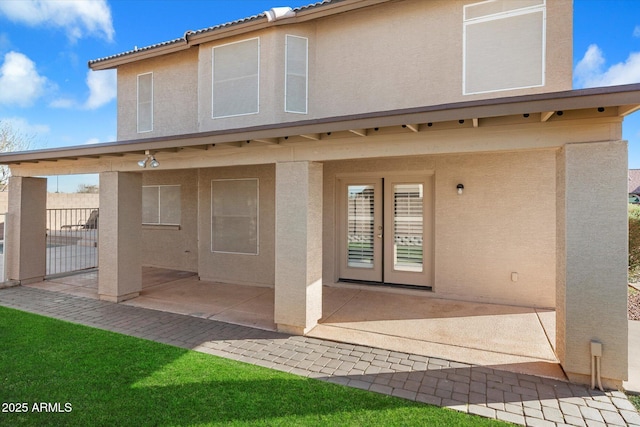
(634, 181)
(250, 23)
(626, 99)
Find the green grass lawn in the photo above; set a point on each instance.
(92, 377)
(635, 400)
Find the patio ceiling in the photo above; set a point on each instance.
(616, 101)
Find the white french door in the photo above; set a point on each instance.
(385, 230)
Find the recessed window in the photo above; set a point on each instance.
(234, 216)
(236, 76)
(504, 45)
(296, 72)
(145, 102)
(161, 204)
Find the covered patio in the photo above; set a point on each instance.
(269, 210)
(517, 339)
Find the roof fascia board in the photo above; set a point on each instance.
(139, 55)
(580, 99)
(331, 9)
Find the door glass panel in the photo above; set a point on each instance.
(408, 227)
(360, 219)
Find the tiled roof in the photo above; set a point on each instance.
(634, 181)
(209, 29)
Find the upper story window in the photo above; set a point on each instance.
(161, 204)
(504, 45)
(296, 74)
(145, 102)
(236, 76)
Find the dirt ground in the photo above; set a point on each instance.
(634, 303)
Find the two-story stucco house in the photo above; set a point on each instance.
(435, 144)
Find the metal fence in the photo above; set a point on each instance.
(72, 240)
(3, 222)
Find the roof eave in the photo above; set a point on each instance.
(139, 55)
(626, 98)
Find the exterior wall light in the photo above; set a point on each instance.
(150, 159)
(460, 187)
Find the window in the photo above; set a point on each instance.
(145, 102)
(161, 204)
(236, 75)
(296, 72)
(504, 45)
(234, 216)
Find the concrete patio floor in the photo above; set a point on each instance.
(512, 338)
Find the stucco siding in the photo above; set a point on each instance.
(503, 223)
(174, 247)
(175, 83)
(420, 65)
(239, 268)
(593, 257)
(60, 200)
(359, 62)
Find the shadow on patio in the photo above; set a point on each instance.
(517, 339)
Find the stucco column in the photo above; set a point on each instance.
(591, 289)
(26, 229)
(119, 259)
(298, 284)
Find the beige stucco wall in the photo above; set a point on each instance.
(60, 200)
(173, 247)
(239, 268)
(298, 288)
(358, 62)
(25, 231)
(592, 259)
(410, 53)
(119, 246)
(504, 222)
(175, 82)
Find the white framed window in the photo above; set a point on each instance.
(234, 216)
(161, 205)
(236, 78)
(296, 74)
(145, 102)
(504, 45)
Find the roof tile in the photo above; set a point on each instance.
(206, 30)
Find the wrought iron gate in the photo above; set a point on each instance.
(72, 240)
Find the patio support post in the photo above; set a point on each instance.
(26, 229)
(298, 274)
(119, 259)
(592, 247)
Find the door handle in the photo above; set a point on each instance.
(379, 236)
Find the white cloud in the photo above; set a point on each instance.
(78, 18)
(20, 83)
(62, 103)
(636, 31)
(102, 88)
(590, 70)
(22, 125)
(92, 141)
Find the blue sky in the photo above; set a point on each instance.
(47, 91)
